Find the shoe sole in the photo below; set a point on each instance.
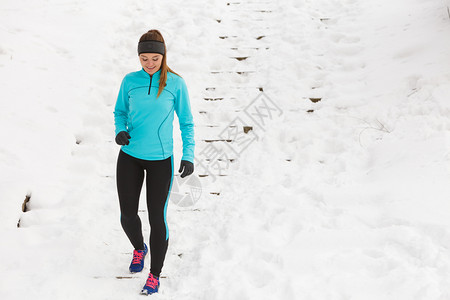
(134, 272)
(146, 293)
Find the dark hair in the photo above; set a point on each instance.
(155, 35)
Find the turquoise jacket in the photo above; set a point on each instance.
(149, 120)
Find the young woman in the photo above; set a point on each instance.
(143, 118)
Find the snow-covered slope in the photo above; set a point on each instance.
(341, 191)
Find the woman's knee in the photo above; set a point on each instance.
(127, 219)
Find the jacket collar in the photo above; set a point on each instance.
(155, 75)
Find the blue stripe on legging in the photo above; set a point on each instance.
(167, 200)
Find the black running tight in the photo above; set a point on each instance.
(130, 177)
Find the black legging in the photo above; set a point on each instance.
(130, 177)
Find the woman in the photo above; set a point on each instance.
(143, 118)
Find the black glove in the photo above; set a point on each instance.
(122, 138)
(188, 168)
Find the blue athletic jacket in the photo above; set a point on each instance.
(149, 120)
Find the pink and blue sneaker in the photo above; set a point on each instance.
(151, 286)
(137, 264)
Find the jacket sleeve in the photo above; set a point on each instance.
(183, 110)
(122, 109)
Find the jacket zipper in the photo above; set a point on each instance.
(150, 86)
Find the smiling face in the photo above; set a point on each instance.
(151, 62)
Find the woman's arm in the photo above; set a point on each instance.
(183, 110)
(121, 110)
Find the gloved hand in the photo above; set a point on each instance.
(188, 168)
(122, 138)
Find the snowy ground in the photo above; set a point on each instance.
(344, 198)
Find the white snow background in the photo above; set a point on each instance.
(345, 198)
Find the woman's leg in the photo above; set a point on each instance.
(159, 182)
(130, 176)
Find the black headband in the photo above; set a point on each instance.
(151, 47)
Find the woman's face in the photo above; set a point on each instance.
(151, 62)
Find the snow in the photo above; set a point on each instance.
(346, 201)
